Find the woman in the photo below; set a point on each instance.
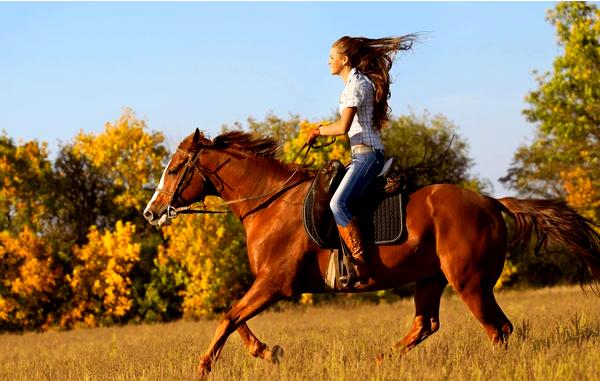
(364, 65)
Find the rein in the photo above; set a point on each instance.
(173, 212)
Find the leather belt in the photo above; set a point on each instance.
(362, 149)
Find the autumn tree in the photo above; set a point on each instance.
(564, 158)
(203, 266)
(25, 172)
(127, 155)
(29, 273)
(100, 282)
(28, 279)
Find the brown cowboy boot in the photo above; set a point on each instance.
(352, 237)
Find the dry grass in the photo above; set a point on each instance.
(557, 337)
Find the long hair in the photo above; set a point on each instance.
(374, 58)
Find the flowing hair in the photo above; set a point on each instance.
(374, 58)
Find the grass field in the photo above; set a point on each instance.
(557, 337)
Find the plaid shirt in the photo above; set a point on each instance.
(360, 93)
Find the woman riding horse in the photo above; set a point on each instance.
(364, 65)
(454, 235)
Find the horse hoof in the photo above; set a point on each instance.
(203, 371)
(276, 354)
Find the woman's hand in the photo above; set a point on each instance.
(313, 135)
(339, 127)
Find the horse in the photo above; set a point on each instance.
(454, 236)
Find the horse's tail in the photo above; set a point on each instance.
(554, 220)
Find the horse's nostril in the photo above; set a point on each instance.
(148, 215)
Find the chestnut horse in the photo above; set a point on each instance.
(454, 236)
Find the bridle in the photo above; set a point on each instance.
(183, 179)
(192, 164)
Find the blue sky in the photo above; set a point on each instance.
(71, 66)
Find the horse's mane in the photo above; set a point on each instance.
(261, 146)
(264, 147)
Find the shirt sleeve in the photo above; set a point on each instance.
(353, 94)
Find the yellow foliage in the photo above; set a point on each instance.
(581, 191)
(307, 299)
(100, 280)
(507, 275)
(128, 154)
(205, 254)
(339, 150)
(27, 279)
(22, 171)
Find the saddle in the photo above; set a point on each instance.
(379, 212)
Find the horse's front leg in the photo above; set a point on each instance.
(257, 348)
(260, 296)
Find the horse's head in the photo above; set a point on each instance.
(183, 182)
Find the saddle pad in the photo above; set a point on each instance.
(381, 220)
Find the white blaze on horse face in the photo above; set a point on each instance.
(161, 184)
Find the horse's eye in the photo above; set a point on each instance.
(175, 169)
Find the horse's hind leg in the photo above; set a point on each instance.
(258, 349)
(482, 303)
(428, 293)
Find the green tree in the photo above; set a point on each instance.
(563, 159)
(282, 130)
(81, 197)
(432, 143)
(292, 134)
(412, 140)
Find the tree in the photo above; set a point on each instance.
(410, 139)
(564, 158)
(28, 280)
(434, 144)
(292, 134)
(127, 155)
(81, 197)
(25, 172)
(100, 282)
(204, 267)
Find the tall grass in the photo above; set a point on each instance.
(557, 337)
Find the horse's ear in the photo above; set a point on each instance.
(197, 136)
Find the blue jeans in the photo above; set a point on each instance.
(363, 170)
